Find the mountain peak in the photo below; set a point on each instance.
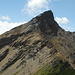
(39, 47)
(46, 23)
(46, 15)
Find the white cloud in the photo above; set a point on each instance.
(6, 26)
(68, 28)
(35, 6)
(62, 20)
(5, 18)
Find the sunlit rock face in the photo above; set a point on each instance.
(37, 46)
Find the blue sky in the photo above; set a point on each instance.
(16, 12)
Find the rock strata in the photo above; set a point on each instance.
(36, 47)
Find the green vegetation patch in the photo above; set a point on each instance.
(59, 69)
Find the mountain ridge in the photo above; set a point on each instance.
(27, 48)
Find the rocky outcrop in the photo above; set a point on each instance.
(26, 49)
(3, 54)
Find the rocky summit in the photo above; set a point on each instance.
(39, 47)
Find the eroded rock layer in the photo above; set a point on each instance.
(38, 44)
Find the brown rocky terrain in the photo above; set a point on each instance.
(30, 49)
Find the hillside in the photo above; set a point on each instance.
(39, 47)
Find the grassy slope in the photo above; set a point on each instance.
(62, 69)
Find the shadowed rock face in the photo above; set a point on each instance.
(27, 48)
(47, 23)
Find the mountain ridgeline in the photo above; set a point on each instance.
(39, 47)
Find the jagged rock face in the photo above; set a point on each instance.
(31, 46)
(46, 23)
